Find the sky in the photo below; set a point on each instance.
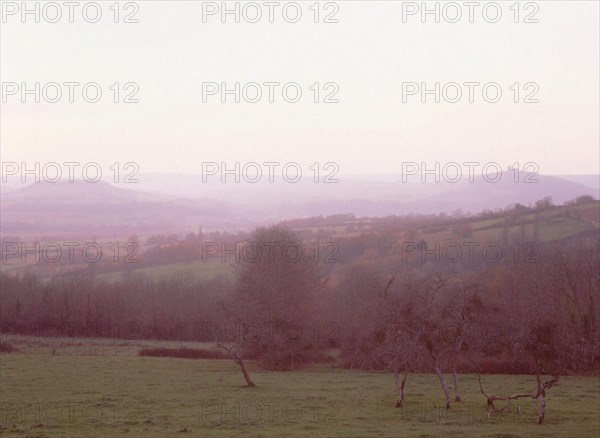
(367, 58)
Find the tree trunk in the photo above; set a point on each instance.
(400, 385)
(541, 396)
(440, 375)
(235, 353)
(541, 408)
(249, 381)
(456, 390)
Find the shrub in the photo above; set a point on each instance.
(5, 347)
(185, 353)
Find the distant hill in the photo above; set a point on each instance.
(369, 195)
(78, 191)
(591, 181)
(175, 203)
(83, 208)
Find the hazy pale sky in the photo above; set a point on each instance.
(369, 53)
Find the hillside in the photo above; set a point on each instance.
(85, 209)
(175, 203)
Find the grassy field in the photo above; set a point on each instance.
(202, 269)
(74, 388)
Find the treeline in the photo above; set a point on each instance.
(379, 308)
(502, 317)
(136, 307)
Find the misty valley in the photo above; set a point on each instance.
(303, 219)
(469, 299)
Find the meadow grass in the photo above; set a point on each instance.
(56, 393)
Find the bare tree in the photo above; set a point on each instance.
(539, 395)
(236, 346)
(448, 306)
(272, 302)
(236, 351)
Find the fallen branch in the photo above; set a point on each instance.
(491, 408)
